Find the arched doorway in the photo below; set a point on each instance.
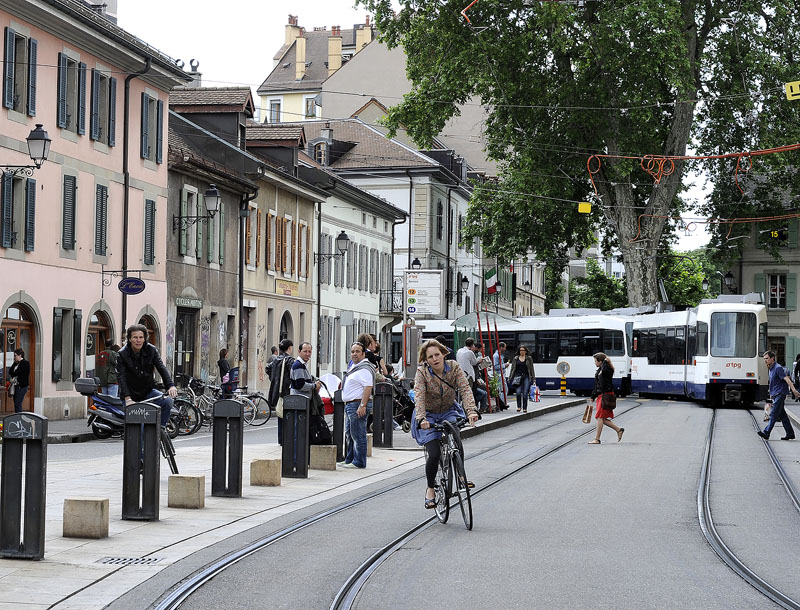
(18, 331)
(287, 327)
(152, 330)
(96, 336)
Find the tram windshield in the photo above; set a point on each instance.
(733, 335)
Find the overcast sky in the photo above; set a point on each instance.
(235, 40)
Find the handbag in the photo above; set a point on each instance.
(319, 432)
(587, 414)
(516, 380)
(608, 401)
(279, 402)
(12, 386)
(317, 406)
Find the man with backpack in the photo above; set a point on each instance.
(280, 386)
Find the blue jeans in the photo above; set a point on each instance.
(19, 395)
(110, 390)
(355, 435)
(481, 398)
(165, 402)
(778, 412)
(523, 391)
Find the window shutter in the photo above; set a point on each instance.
(247, 239)
(296, 228)
(68, 229)
(268, 242)
(149, 232)
(8, 70)
(159, 131)
(8, 207)
(201, 206)
(258, 239)
(791, 291)
(81, 98)
(793, 225)
(145, 125)
(32, 53)
(183, 242)
(61, 114)
(221, 235)
(58, 331)
(102, 220)
(760, 284)
(323, 266)
(308, 251)
(94, 115)
(212, 225)
(112, 111)
(331, 262)
(77, 335)
(30, 214)
(283, 244)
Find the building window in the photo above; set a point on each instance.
(311, 108)
(101, 220)
(102, 123)
(439, 219)
(19, 73)
(320, 153)
(274, 111)
(67, 350)
(71, 94)
(18, 201)
(777, 291)
(152, 128)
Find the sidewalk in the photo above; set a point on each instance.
(73, 566)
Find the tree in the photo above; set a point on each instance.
(566, 83)
(597, 290)
(683, 279)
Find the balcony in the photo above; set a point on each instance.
(391, 301)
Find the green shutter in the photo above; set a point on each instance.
(791, 291)
(210, 240)
(30, 214)
(58, 331)
(199, 225)
(68, 226)
(112, 111)
(159, 131)
(94, 113)
(77, 335)
(8, 69)
(81, 98)
(145, 152)
(61, 107)
(184, 213)
(760, 285)
(32, 54)
(793, 225)
(221, 235)
(149, 232)
(7, 198)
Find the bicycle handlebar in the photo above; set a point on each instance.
(460, 422)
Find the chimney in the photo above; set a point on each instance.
(292, 30)
(300, 56)
(334, 49)
(363, 35)
(196, 76)
(327, 133)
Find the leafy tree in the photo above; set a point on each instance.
(683, 279)
(597, 289)
(562, 82)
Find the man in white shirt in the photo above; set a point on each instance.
(467, 358)
(356, 393)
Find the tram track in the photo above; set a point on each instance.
(195, 582)
(713, 537)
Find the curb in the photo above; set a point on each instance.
(61, 439)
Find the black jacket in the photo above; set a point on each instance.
(603, 380)
(135, 372)
(280, 387)
(22, 372)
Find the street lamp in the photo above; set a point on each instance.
(463, 289)
(416, 265)
(38, 149)
(342, 244)
(212, 201)
(728, 279)
(704, 285)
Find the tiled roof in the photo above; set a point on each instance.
(265, 131)
(210, 96)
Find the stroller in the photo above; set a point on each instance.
(403, 408)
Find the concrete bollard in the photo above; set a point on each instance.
(85, 518)
(323, 457)
(369, 445)
(265, 472)
(186, 491)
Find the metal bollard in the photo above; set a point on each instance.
(23, 433)
(227, 447)
(338, 425)
(294, 460)
(382, 412)
(141, 463)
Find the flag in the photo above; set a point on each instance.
(491, 280)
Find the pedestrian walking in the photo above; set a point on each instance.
(522, 376)
(280, 382)
(20, 375)
(467, 359)
(435, 387)
(779, 385)
(106, 369)
(356, 395)
(603, 385)
(797, 370)
(498, 365)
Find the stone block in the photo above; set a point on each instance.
(85, 518)
(265, 472)
(369, 445)
(186, 491)
(323, 457)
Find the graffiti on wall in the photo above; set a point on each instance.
(261, 350)
(170, 352)
(205, 342)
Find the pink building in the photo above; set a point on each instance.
(70, 228)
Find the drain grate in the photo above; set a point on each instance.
(129, 561)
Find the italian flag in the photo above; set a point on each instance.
(491, 280)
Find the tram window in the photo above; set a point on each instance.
(691, 344)
(733, 335)
(680, 345)
(546, 347)
(570, 342)
(629, 336)
(661, 346)
(702, 339)
(613, 343)
(590, 343)
(762, 337)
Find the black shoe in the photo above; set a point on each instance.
(787, 438)
(763, 435)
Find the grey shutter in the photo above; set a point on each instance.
(792, 235)
(68, 228)
(159, 131)
(77, 334)
(791, 292)
(145, 125)
(183, 241)
(329, 264)
(101, 220)
(760, 285)
(199, 225)
(8, 69)
(210, 241)
(94, 116)
(81, 98)
(58, 331)
(30, 214)
(8, 207)
(323, 243)
(149, 232)
(323, 348)
(221, 235)
(61, 110)
(112, 111)
(32, 53)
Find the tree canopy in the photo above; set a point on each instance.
(604, 83)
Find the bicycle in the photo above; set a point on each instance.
(451, 471)
(262, 411)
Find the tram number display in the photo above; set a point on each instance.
(733, 365)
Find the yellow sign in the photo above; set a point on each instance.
(793, 90)
(286, 288)
(584, 207)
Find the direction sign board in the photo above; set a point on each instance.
(424, 293)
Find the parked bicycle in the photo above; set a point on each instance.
(451, 478)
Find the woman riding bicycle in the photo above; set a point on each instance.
(435, 389)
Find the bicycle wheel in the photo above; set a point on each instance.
(193, 419)
(187, 418)
(168, 451)
(263, 412)
(444, 486)
(462, 489)
(173, 425)
(249, 409)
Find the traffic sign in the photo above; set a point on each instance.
(562, 368)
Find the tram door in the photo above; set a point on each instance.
(185, 331)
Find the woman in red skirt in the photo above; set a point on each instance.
(603, 384)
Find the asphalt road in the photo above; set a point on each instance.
(608, 526)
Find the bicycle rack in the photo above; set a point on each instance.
(382, 412)
(338, 425)
(141, 462)
(294, 459)
(227, 447)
